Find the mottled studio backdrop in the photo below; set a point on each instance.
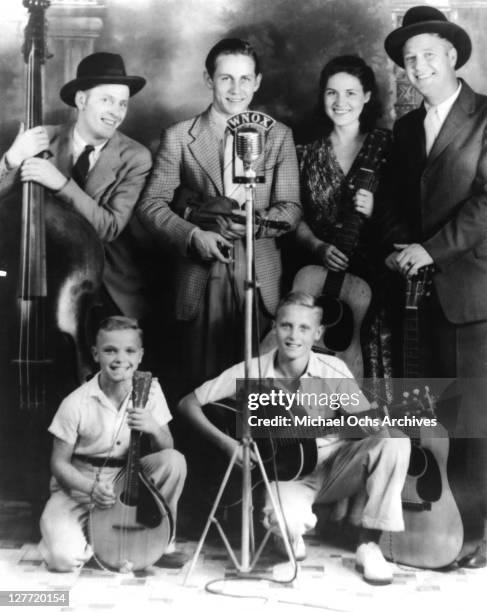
(167, 41)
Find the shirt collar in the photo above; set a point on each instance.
(444, 107)
(218, 120)
(96, 392)
(79, 144)
(313, 369)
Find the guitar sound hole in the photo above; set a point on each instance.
(417, 462)
(332, 309)
(429, 483)
(337, 337)
(128, 500)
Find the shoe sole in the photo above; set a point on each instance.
(378, 582)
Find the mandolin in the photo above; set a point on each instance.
(135, 532)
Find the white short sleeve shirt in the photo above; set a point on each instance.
(87, 419)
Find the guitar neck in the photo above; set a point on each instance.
(347, 231)
(411, 343)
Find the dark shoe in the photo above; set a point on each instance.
(172, 560)
(476, 559)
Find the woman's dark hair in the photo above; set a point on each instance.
(354, 65)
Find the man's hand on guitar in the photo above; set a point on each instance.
(408, 259)
(332, 258)
(208, 245)
(364, 202)
(103, 495)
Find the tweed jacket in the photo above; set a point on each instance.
(443, 200)
(111, 192)
(189, 156)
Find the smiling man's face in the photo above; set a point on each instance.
(429, 61)
(233, 83)
(101, 110)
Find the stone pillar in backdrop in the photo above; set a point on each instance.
(73, 28)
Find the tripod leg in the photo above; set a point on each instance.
(281, 521)
(211, 516)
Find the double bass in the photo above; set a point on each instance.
(51, 263)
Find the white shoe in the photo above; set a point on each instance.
(370, 562)
(297, 544)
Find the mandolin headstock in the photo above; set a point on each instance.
(140, 388)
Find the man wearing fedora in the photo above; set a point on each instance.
(440, 176)
(94, 168)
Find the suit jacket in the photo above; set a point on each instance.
(189, 156)
(443, 199)
(107, 202)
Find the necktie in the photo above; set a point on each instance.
(432, 126)
(82, 166)
(231, 189)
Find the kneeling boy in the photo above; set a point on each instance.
(376, 464)
(91, 432)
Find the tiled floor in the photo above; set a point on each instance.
(326, 581)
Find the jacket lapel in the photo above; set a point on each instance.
(204, 150)
(62, 150)
(464, 105)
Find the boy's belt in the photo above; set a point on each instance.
(101, 461)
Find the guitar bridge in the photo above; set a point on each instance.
(417, 506)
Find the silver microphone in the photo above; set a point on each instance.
(249, 145)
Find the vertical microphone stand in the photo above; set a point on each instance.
(248, 555)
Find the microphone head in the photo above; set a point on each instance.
(249, 143)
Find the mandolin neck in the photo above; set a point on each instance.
(140, 395)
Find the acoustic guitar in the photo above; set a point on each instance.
(344, 297)
(135, 532)
(440, 522)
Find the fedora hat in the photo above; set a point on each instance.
(100, 69)
(427, 20)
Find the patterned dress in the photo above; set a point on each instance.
(327, 194)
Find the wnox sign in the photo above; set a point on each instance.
(250, 118)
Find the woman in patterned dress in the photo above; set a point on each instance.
(330, 166)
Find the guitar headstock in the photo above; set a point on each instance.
(418, 287)
(374, 157)
(417, 402)
(35, 30)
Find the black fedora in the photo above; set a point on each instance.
(427, 20)
(100, 69)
